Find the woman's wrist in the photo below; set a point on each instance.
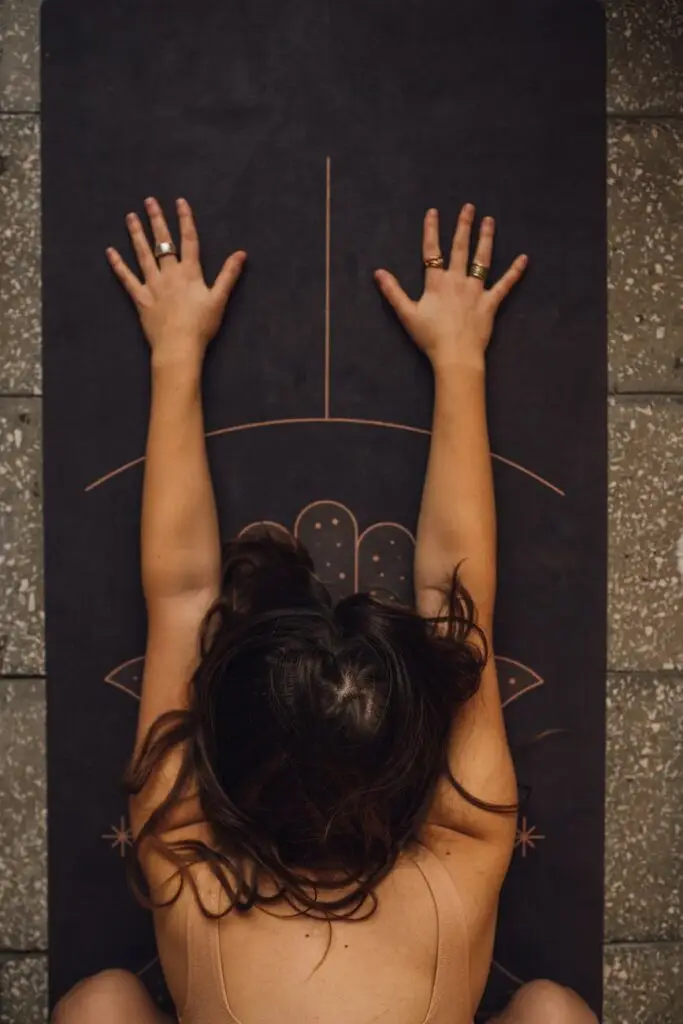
(458, 352)
(186, 360)
(462, 365)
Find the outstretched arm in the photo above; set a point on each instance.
(452, 324)
(457, 523)
(180, 538)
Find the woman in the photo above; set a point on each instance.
(322, 796)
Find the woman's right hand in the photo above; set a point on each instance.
(179, 312)
(453, 320)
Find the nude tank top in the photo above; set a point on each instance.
(207, 1000)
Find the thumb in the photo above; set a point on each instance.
(395, 296)
(228, 275)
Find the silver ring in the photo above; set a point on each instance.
(164, 249)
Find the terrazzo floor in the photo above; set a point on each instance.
(644, 859)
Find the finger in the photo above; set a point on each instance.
(508, 280)
(128, 279)
(460, 249)
(431, 246)
(484, 251)
(143, 252)
(230, 272)
(403, 305)
(160, 228)
(189, 239)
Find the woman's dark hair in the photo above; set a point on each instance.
(315, 734)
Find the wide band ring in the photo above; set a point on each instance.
(164, 249)
(479, 271)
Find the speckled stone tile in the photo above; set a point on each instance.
(23, 852)
(645, 55)
(23, 991)
(645, 580)
(644, 984)
(20, 292)
(19, 54)
(644, 809)
(21, 596)
(645, 225)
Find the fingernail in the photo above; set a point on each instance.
(149, 201)
(130, 217)
(432, 212)
(181, 201)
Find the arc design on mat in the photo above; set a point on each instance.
(326, 417)
(377, 559)
(515, 678)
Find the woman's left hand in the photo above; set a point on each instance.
(179, 312)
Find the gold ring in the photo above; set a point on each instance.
(479, 271)
(434, 261)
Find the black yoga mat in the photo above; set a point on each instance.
(314, 133)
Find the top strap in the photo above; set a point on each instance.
(206, 999)
(451, 995)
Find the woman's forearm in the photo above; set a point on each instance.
(452, 323)
(457, 522)
(180, 535)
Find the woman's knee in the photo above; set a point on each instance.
(104, 997)
(546, 1002)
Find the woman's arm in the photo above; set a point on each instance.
(180, 315)
(181, 557)
(457, 527)
(180, 537)
(457, 523)
(452, 324)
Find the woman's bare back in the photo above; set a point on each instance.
(269, 965)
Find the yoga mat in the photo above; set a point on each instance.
(315, 134)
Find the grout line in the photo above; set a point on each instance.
(19, 394)
(19, 677)
(19, 113)
(646, 115)
(646, 673)
(676, 395)
(21, 954)
(639, 944)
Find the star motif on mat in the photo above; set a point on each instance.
(120, 836)
(527, 837)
